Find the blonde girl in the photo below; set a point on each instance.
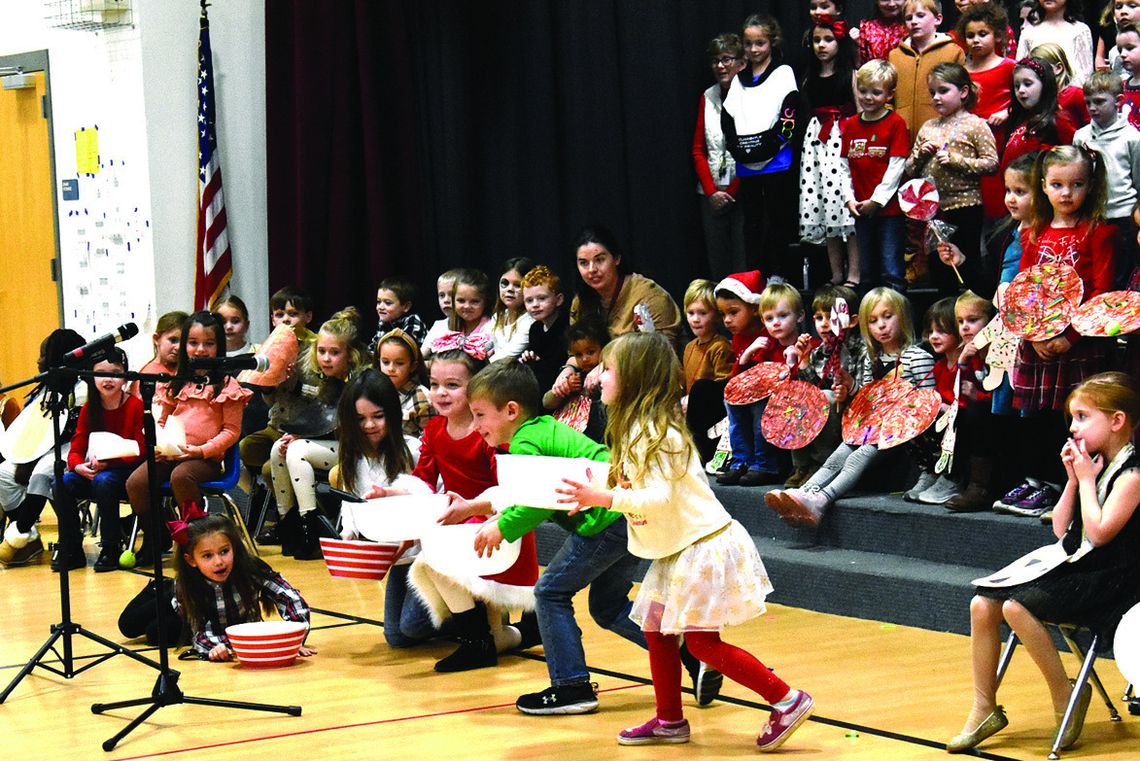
(888, 333)
(510, 324)
(398, 357)
(336, 356)
(706, 573)
(1090, 575)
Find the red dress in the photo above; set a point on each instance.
(1021, 142)
(994, 95)
(878, 37)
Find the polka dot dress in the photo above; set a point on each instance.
(823, 213)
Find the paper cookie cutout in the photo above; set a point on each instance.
(889, 412)
(797, 411)
(1040, 302)
(1110, 314)
(756, 383)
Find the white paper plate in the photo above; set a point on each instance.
(451, 551)
(170, 438)
(395, 519)
(531, 480)
(104, 445)
(29, 437)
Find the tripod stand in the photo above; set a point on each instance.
(57, 382)
(166, 691)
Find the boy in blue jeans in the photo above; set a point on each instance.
(505, 401)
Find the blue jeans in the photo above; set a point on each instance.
(881, 239)
(406, 619)
(107, 489)
(749, 447)
(603, 563)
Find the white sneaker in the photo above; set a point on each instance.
(925, 480)
(940, 493)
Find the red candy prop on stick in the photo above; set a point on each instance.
(919, 199)
(1110, 314)
(796, 413)
(889, 412)
(1041, 301)
(756, 383)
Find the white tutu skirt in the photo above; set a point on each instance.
(823, 214)
(716, 582)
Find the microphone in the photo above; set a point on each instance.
(100, 345)
(258, 362)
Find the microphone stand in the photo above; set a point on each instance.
(57, 382)
(166, 691)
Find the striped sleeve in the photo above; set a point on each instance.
(918, 367)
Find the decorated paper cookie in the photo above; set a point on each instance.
(796, 413)
(1002, 354)
(889, 412)
(918, 198)
(1110, 314)
(756, 383)
(1041, 301)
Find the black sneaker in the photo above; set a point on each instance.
(707, 682)
(567, 699)
(75, 558)
(108, 559)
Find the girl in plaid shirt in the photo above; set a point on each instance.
(220, 583)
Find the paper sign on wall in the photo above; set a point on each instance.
(87, 150)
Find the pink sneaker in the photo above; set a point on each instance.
(798, 507)
(781, 724)
(655, 732)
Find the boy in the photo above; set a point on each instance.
(707, 363)
(835, 312)
(914, 58)
(754, 462)
(875, 145)
(444, 287)
(394, 300)
(546, 345)
(1119, 143)
(505, 402)
(292, 306)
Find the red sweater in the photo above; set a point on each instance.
(126, 421)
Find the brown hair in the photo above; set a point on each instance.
(1110, 392)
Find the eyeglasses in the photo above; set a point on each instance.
(727, 60)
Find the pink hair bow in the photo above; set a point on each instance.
(180, 529)
(477, 345)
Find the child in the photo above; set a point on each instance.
(444, 288)
(955, 150)
(585, 340)
(470, 298)
(1035, 123)
(504, 401)
(754, 460)
(876, 144)
(707, 363)
(394, 300)
(1070, 97)
(888, 333)
(1116, 14)
(25, 488)
(1008, 45)
(879, 35)
(510, 322)
(109, 408)
(293, 307)
(167, 334)
(706, 573)
(763, 121)
(1091, 578)
(914, 59)
(235, 318)
(824, 218)
(546, 345)
(308, 441)
(373, 454)
(453, 452)
(838, 355)
(398, 356)
(1119, 143)
(1061, 23)
(219, 582)
(210, 414)
(1128, 40)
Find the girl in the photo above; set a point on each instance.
(453, 451)
(310, 443)
(166, 338)
(1035, 123)
(878, 36)
(706, 573)
(109, 408)
(763, 123)
(470, 299)
(1089, 578)
(209, 413)
(219, 583)
(510, 324)
(1116, 14)
(399, 359)
(955, 150)
(829, 88)
(580, 408)
(1066, 225)
(373, 455)
(888, 332)
(1060, 22)
(1070, 97)
(235, 317)
(25, 488)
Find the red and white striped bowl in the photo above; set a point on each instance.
(266, 644)
(352, 559)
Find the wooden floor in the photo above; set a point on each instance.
(882, 691)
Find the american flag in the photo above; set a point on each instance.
(214, 267)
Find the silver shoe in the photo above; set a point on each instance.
(943, 490)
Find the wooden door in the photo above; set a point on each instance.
(29, 301)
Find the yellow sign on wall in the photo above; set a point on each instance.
(87, 150)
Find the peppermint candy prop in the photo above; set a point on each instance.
(1041, 301)
(1110, 314)
(919, 199)
(889, 412)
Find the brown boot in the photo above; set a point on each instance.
(978, 496)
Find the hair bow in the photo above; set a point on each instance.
(1037, 66)
(180, 529)
(838, 26)
(478, 345)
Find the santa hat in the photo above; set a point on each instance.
(746, 286)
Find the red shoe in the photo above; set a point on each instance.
(655, 732)
(781, 724)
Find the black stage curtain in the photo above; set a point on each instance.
(407, 137)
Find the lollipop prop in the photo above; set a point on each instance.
(918, 199)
